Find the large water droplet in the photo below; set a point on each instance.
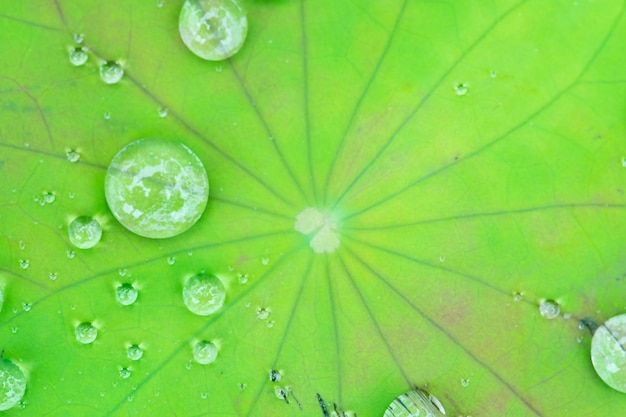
(12, 384)
(156, 188)
(213, 29)
(416, 402)
(134, 352)
(86, 333)
(205, 352)
(85, 232)
(126, 294)
(78, 56)
(550, 309)
(608, 352)
(111, 72)
(204, 294)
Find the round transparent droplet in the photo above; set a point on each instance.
(205, 352)
(12, 384)
(171, 260)
(70, 254)
(242, 278)
(163, 111)
(24, 263)
(156, 188)
(608, 352)
(213, 29)
(280, 392)
(79, 37)
(126, 294)
(78, 56)
(49, 197)
(111, 72)
(72, 155)
(85, 232)
(134, 352)
(86, 333)
(549, 309)
(262, 313)
(460, 89)
(414, 403)
(204, 294)
(53, 276)
(125, 373)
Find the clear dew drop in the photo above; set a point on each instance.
(213, 29)
(204, 294)
(53, 276)
(465, 382)
(72, 155)
(265, 261)
(549, 309)
(275, 375)
(27, 306)
(461, 89)
(204, 352)
(12, 384)
(280, 392)
(126, 294)
(78, 56)
(78, 37)
(24, 263)
(171, 260)
(608, 352)
(242, 278)
(262, 313)
(416, 402)
(518, 296)
(48, 197)
(134, 352)
(86, 333)
(107, 116)
(111, 72)
(125, 373)
(85, 232)
(156, 188)
(70, 254)
(163, 111)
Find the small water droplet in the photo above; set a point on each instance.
(549, 309)
(270, 324)
(465, 382)
(53, 276)
(49, 197)
(70, 254)
(242, 386)
(204, 294)
(608, 352)
(134, 352)
(71, 195)
(280, 393)
(624, 162)
(27, 306)
(205, 352)
(163, 194)
(12, 384)
(213, 29)
(111, 72)
(493, 74)
(188, 366)
(159, 3)
(163, 111)
(14, 330)
(265, 261)
(218, 68)
(579, 339)
(242, 278)
(72, 155)
(21, 245)
(78, 56)
(262, 313)
(518, 296)
(107, 116)
(79, 37)
(24, 263)
(275, 375)
(86, 333)
(84, 232)
(125, 373)
(461, 89)
(171, 260)
(126, 294)
(442, 259)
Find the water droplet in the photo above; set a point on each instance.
(14, 330)
(126, 294)
(416, 402)
(275, 375)
(624, 162)
(442, 259)
(242, 278)
(24, 263)
(171, 260)
(122, 272)
(12, 384)
(156, 188)
(608, 352)
(262, 313)
(461, 89)
(125, 373)
(107, 116)
(79, 37)
(270, 324)
(111, 72)
(78, 56)
(134, 352)
(27, 306)
(550, 309)
(213, 29)
(493, 74)
(86, 333)
(70, 254)
(205, 352)
(465, 382)
(265, 261)
(159, 3)
(71, 195)
(72, 155)
(84, 232)
(204, 294)
(53, 276)
(242, 386)
(21, 245)
(48, 197)
(163, 112)
(218, 68)
(517, 296)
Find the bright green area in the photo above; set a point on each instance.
(436, 207)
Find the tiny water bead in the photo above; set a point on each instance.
(24, 263)
(549, 309)
(204, 294)
(156, 188)
(78, 56)
(205, 352)
(608, 352)
(72, 155)
(111, 72)
(86, 333)
(163, 111)
(126, 294)
(134, 352)
(84, 232)
(125, 373)
(415, 403)
(461, 89)
(213, 29)
(12, 384)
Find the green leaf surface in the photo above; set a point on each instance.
(445, 205)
